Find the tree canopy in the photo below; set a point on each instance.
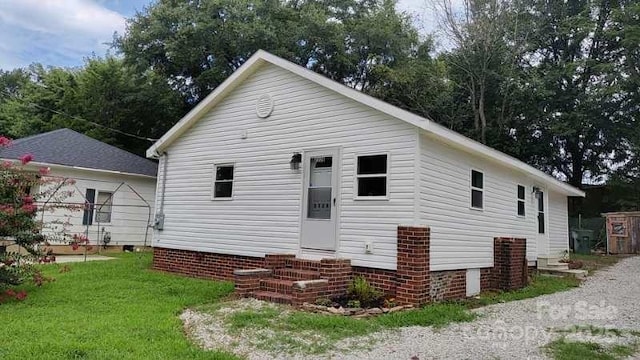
(553, 83)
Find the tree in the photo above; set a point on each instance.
(196, 45)
(12, 85)
(573, 76)
(486, 37)
(419, 84)
(105, 99)
(20, 190)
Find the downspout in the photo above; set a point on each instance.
(158, 221)
(165, 160)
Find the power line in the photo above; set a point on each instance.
(25, 103)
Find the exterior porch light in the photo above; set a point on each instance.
(296, 159)
(536, 191)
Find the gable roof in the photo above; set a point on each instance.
(442, 133)
(69, 148)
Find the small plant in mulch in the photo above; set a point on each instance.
(368, 296)
(361, 299)
(323, 301)
(573, 264)
(576, 264)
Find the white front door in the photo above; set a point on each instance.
(319, 200)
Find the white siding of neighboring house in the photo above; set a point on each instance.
(558, 225)
(462, 237)
(129, 216)
(265, 213)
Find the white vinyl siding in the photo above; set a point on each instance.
(265, 214)
(129, 215)
(462, 237)
(557, 224)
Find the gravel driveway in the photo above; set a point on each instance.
(516, 330)
(610, 299)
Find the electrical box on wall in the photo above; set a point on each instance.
(368, 247)
(158, 222)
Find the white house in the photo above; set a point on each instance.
(118, 186)
(281, 160)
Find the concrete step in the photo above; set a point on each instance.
(295, 274)
(273, 297)
(578, 274)
(555, 266)
(277, 285)
(303, 264)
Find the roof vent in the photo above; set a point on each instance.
(264, 106)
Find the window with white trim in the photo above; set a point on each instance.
(541, 218)
(223, 182)
(521, 198)
(477, 189)
(104, 202)
(372, 176)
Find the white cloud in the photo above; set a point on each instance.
(57, 32)
(425, 17)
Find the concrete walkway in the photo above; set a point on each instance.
(61, 259)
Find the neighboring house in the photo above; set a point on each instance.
(281, 160)
(119, 185)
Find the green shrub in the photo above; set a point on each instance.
(323, 301)
(353, 304)
(365, 293)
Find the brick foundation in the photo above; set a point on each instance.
(203, 264)
(384, 280)
(413, 265)
(448, 285)
(510, 270)
(486, 279)
(338, 272)
(286, 279)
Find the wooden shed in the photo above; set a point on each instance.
(623, 232)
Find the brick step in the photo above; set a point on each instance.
(302, 264)
(295, 274)
(273, 297)
(277, 285)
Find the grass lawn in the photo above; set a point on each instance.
(115, 309)
(592, 263)
(539, 285)
(279, 329)
(119, 309)
(563, 349)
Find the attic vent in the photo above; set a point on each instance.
(264, 106)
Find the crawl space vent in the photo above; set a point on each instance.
(264, 106)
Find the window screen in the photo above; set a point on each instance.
(104, 203)
(372, 176)
(223, 185)
(521, 203)
(89, 198)
(477, 189)
(541, 217)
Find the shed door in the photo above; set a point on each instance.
(319, 200)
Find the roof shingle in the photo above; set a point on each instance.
(70, 148)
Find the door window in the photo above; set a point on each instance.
(319, 190)
(541, 224)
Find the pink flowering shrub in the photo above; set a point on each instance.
(19, 195)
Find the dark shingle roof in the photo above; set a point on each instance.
(70, 148)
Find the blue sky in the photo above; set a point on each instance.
(64, 32)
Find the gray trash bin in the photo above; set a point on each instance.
(582, 239)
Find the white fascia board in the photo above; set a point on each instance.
(446, 135)
(36, 165)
